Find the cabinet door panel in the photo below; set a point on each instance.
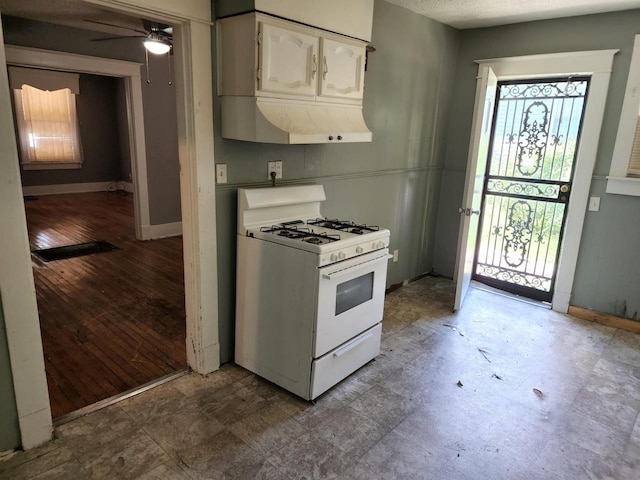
(342, 69)
(288, 61)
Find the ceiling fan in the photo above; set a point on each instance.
(158, 37)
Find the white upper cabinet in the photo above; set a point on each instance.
(259, 55)
(287, 61)
(342, 69)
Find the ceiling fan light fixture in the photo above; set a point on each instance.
(157, 44)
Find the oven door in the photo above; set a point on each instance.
(350, 299)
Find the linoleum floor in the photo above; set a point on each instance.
(499, 390)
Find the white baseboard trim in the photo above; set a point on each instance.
(75, 188)
(164, 230)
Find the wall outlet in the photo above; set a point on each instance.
(594, 204)
(221, 173)
(274, 166)
(395, 255)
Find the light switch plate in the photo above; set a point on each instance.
(594, 204)
(221, 173)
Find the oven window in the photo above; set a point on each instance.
(354, 292)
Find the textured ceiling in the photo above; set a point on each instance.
(457, 13)
(487, 13)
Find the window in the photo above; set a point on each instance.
(634, 162)
(624, 175)
(45, 109)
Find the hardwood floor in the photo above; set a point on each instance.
(113, 321)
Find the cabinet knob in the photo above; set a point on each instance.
(330, 137)
(339, 137)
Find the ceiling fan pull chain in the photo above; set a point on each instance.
(146, 61)
(170, 68)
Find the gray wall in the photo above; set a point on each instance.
(9, 429)
(97, 115)
(608, 271)
(393, 182)
(161, 138)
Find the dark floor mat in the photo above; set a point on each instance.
(71, 251)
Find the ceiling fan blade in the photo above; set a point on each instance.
(114, 25)
(155, 26)
(117, 38)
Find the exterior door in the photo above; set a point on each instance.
(478, 151)
(528, 182)
(288, 61)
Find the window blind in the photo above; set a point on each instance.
(43, 79)
(634, 162)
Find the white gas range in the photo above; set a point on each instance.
(310, 291)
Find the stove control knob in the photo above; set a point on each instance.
(341, 255)
(359, 250)
(333, 257)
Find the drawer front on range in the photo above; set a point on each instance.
(344, 360)
(350, 299)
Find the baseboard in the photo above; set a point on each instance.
(605, 319)
(164, 230)
(76, 188)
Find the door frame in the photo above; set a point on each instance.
(130, 72)
(194, 96)
(598, 65)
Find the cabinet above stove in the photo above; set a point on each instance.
(284, 82)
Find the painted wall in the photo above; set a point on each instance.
(392, 182)
(161, 138)
(608, 271)
(97, 116)
(9, 429)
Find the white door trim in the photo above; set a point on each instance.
(130, 71)
(597, 65)
(192, 50)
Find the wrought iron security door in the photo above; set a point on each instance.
(534, 141)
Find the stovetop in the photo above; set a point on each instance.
(325, 236)
(291, 216)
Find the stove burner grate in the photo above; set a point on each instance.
(344, 225)
(288, 230)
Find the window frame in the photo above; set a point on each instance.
(619, 181)
(21, 125)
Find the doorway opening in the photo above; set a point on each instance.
(109, 322)
(535, 135)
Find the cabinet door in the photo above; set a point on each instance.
(342, 69)
(288, 61)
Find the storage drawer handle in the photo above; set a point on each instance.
(326, 69)
(348, 270)
(349, 346)
(314, 68)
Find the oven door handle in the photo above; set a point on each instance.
(349, 270)
(354, 343)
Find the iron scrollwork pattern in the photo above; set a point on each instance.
(537, 90)
(517, 233)
(523, 188)
(511, 276)
(533, 139)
